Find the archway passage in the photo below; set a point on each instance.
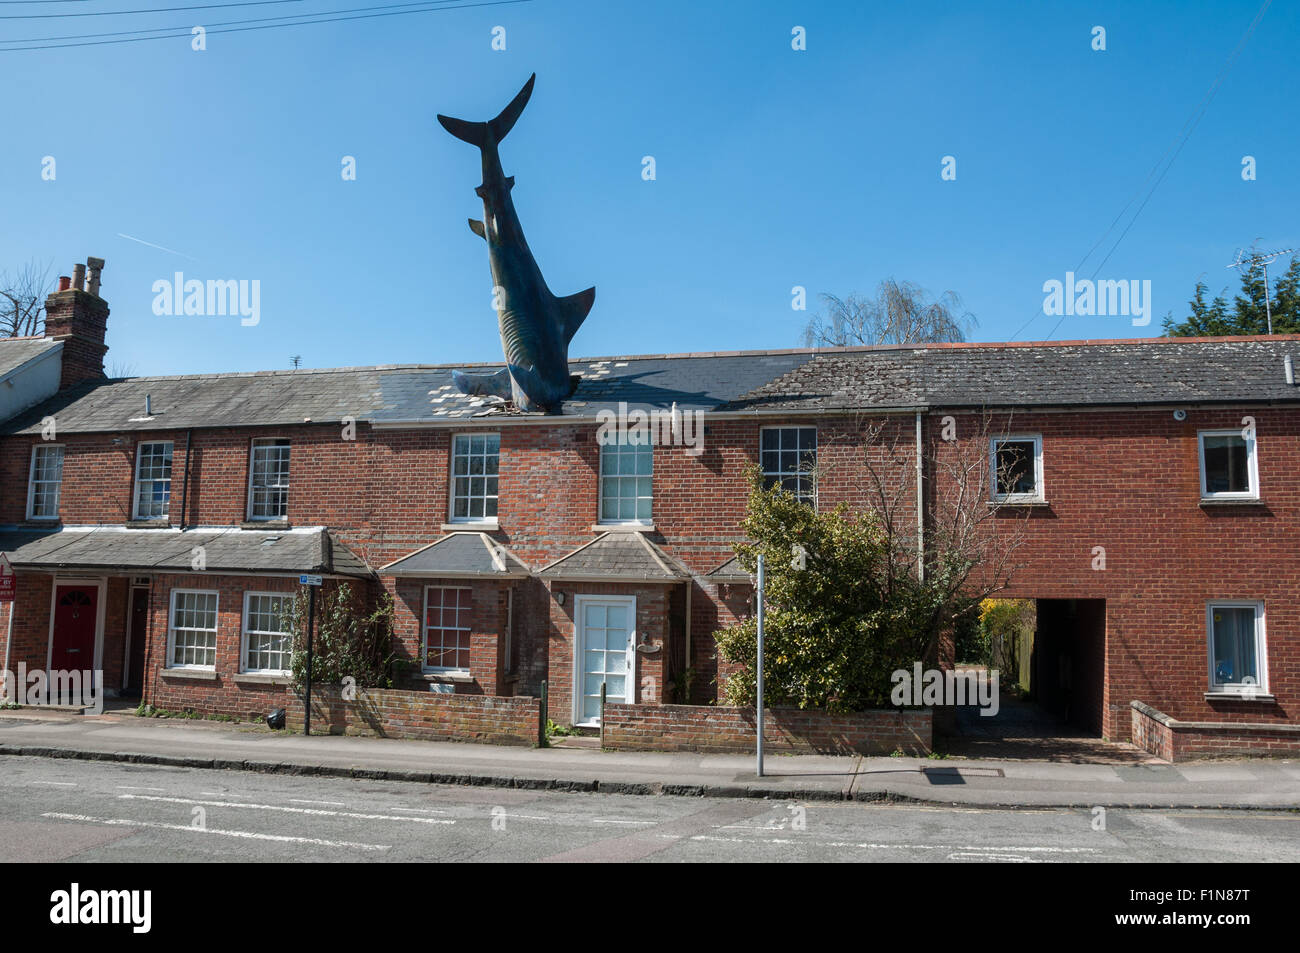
(1053, 712)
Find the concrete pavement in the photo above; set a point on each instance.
(1245, 784)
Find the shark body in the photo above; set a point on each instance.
(536, 326)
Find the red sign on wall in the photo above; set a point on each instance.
(7, 580)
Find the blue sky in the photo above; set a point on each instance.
(775, 168)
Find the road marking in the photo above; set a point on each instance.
(313, 811)
(416, 810)
(136, 787)
(980, 855)
(242, 797)
(872, 846)
(299, 800)
(57, 784)
(246, 835)
(603, 820)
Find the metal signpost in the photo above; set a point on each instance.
(759, 707)
(314, 582)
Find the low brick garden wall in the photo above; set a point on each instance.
(1175, 740)
(718, 729)
(427, 716)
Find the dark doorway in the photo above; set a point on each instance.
(1068, 665)
(138, 632)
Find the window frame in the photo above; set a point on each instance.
(31, 479)
(1260, 687)
(483, 520)
(135, 490)
(1252, 465)
(1039, 494)
(253, 447)
(619, 446)
(244, 632)
(171, 629)
(778, 475)
(426, 668)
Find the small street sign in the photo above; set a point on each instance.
(8, 581)
(307, 580)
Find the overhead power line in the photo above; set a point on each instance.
(125, 13)
(321, 18)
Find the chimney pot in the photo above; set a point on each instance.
(94, 266)
(65, 282)
(79, 277)
(1288, 368)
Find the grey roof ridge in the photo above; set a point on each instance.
(506, 554)
(771, 352)
(416, 552)
(654, 552)
(556, 562)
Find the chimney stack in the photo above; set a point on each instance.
(78, 317)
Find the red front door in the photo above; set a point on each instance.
(75, 612)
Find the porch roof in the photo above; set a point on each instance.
(729, 573)
(461, 555)
(304, 550)
(618, 557)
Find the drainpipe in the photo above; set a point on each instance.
(690, 584)
(185, 485)
(9, 638)
(920, 506)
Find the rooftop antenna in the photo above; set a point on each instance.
(296, 361)
(1253, 260)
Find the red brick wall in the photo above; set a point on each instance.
(1128, 480)
(1175, 740)
(719, 729)
(427, 716)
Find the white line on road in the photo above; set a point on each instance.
(136, 787)
(57, 784)
(315, 812)
(247, 835)
(869, 846)
(301, 800)
(416, 810)
(602, 820)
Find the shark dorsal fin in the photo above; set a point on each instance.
(573, 310)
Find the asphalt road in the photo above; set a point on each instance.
(53, 810)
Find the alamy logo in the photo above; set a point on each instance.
(1086, 297)
(75, 906)
(639, 428)
(59, 687)
(182, 296)
(935, 687)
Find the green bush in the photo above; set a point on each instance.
(349, 641)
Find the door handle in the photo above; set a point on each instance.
(70, 651)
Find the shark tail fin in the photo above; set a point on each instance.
(477, 228)
(484, 385)
(494, 130)
(573, 311)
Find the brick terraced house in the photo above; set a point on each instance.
(157, 524)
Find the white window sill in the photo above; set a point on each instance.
(1019, 501)
(449, 675)
(623, 528)
(482, 526)
(200, 674)
(1220, 696)
(1231, 501)
(262, 678)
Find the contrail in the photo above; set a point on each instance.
(159, 247)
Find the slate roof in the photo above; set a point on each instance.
(617, 556)
(1069, 374)
(162, 550)
(15, 352)
(729, 572)
(1078, 373)
(460, 555)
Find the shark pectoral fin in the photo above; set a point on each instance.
(573, 310)
(484, 385)
(477, 228)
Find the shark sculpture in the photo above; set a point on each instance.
(536, 326)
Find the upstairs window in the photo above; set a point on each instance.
(1016, 468)
(268, 490)
(46, 478)
(474, 460)
(788, 456)
(626, 481)
(1236, 636)
(1228, 469)
(153, 480)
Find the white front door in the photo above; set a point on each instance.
(606, 641)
